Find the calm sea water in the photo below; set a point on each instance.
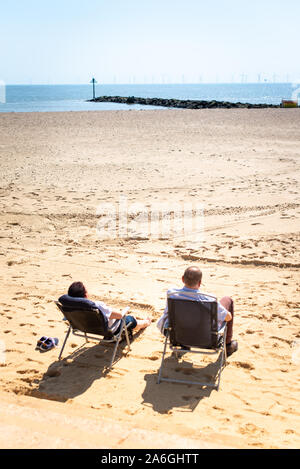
(45, 98)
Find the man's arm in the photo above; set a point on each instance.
(107, 311)
(223, 314)
(228, 316)
(115, 315)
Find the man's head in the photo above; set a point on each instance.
(77, 290)
(192, 277)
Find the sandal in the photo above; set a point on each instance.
(48, 344)
(41, 341)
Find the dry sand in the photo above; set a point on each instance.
(58, 173)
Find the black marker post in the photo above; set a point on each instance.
(93, 81)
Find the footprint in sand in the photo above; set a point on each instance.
(187, 398)
(22, 372)
(251, 430)
(245, 365)
(35, 361)
(154, 357)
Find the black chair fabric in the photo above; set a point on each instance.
(84, 315)
(193, 323)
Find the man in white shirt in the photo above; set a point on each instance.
(192, 278)
(78, 290)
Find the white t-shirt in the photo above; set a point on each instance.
(186, 293)
(113, 324)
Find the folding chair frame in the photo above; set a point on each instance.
(179, 350)
(115, 339)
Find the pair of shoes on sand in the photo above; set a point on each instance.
(46, 343)
(231, 348)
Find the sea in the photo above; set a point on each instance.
(56, 98)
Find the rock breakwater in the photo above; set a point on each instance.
(179, 103)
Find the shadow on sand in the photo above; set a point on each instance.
(166, 396)
(74, 374)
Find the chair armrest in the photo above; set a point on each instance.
(223, 329)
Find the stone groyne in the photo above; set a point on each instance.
(179, 103)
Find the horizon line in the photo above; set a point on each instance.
(160, 84)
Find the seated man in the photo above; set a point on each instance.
(192, 280)
(78, 290)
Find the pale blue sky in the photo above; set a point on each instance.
(149, 41)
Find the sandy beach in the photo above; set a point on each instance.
(235, 175)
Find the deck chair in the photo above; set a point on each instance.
(194, 324)
(86, 320)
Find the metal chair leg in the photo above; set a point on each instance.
(117, 343)
(127, 336)
(63, 346)
(162, 360)
(224, 357)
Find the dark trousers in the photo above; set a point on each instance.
(130, 323)
(227, 302)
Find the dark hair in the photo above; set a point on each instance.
(192, 276)
(77, 290)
